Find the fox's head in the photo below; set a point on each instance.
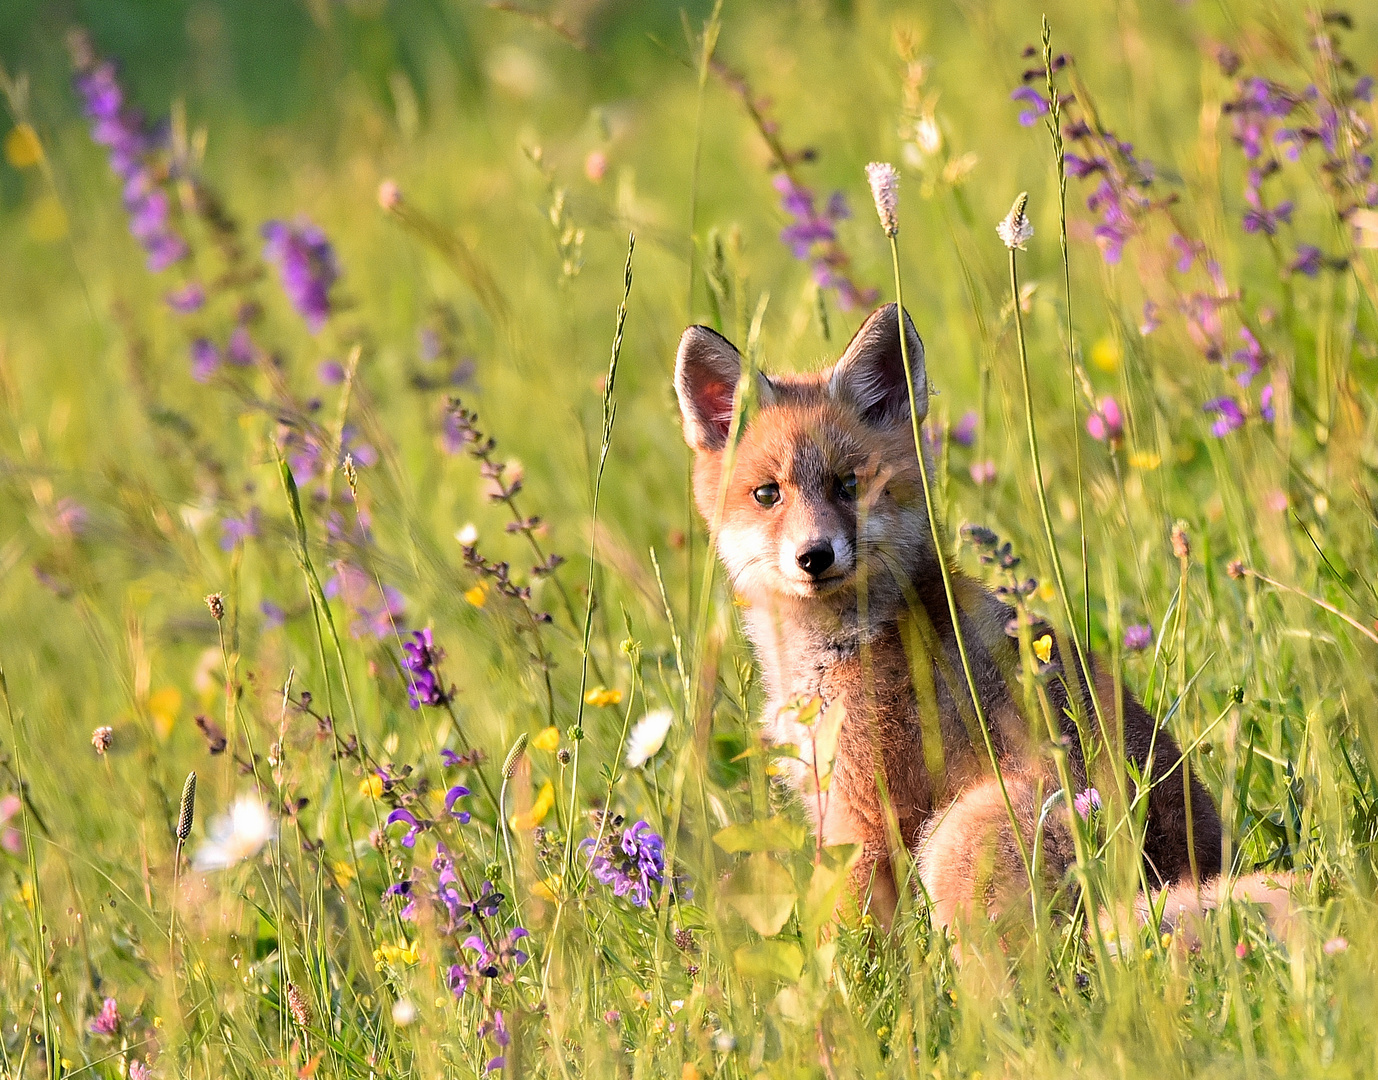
(825, 480)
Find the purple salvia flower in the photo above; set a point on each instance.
(308, 267)
(234, 531)
(451, 797)
(1150, 321)
(1252, 356)
(273, 614)
(1308, 261)
(1037, 105)
(630, 865)
(964, 434)
(1231, 416)
(419, 657)
(1138, 637)
(1081, 167)
(330, 372)
(240, 351)
(407, 818)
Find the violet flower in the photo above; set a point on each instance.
(205, 360)
(1036, 105)
(964, 434)
(1231, 416)
(1138, 637)
(1265, 403)
(1251, 356)
(1308, 261)
(234, 531)
(1086, 802)
(189, 298)
(451, 797)
(308, 267)
(107, 1021)
(630, 864)
(419, 657)
(1106, 422)
(408, 818)
(812, 238)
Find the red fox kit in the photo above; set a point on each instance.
(825, 534)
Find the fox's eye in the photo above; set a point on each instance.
(846, 486)
(767, 495)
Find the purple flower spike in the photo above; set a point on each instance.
(630, 864)
(419, 657)
(1138, 637)
(307, 265)
(189, 298)
(1231, 416)
(409, 840)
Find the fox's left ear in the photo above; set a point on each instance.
(871, 371)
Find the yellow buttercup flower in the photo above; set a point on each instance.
(404, 953)
(371, 785)
(548, 739)
(478, 595)
(545, 802)
(344, 873)
(602, 698)
(549, 888)
(1043, 648)
(1105, 354)
(1046, 591)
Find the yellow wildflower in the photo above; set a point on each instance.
(22, 148)
(478, 595)
(1146, 460)
(1046, 591)
(547, 739)
(545, 802)
(163, 706)
(344, 873)
(1105, 354)
(1043, 648)
(601, 698)
(404, 953)
(548, 889)
(371, 785)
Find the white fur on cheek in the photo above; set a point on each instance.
(748, 553)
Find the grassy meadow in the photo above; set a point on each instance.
(340, 465)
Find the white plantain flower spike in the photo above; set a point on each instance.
(885, 190)
(648, 737)
(1016, 230)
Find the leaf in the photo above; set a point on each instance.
(769, 960)
(762, 892)
(773, 834)
(820, 901)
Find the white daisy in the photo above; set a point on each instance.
(236, 836)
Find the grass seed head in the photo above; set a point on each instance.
(101, 739)
(298, 1006)
(509, 764)
(187, 813)
(216, 603)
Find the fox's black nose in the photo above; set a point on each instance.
(816, 560)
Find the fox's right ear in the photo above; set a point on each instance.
(707, 368)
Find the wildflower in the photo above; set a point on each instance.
(308, 267)
(215, 604)
(1235, 568)
(404, 953)
(330, 372)
(596, 166)
(189, 298)
(107, 1021)
(403, 1012)
(1145, 460)
(630, 864)
(1086, 802)
(418, 660)
(601, 698)
(612, 1017)
(1181, 542)
(496, 1029)
(1241, 950)
(1037, 105)
(234, 531)
(1265, 404)
(236, 836)
(812, 238)
(885, 191)
(205, 359)
(408, 818)
(1335, 946)
(983, 472)
(1081, 167)
(964, 434)
(1105, 354)
(547, 739)
(101, 739)
(389, 195)
(1138, 637)
(1308, 260)
(1150, 321)
(1043, 648)
(139, 1069)
(545, 802)
(648, 736)
(456, 793)
(374, 611)
(478, 595)
(1231, 416)
(1015, 230)
(134, 146)
(1251, 356)
(1105, 423)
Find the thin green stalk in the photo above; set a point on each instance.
(946, 573)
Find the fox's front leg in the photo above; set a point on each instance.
(854, 816)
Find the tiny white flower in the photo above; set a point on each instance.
(236, 836)
(403, 1012)
(928, 135)
(468, 536)
(885, 190)
(648, 737)
(1016, 230)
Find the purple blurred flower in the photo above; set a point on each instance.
(273, 615)
(205, 360)
(1231, 416)
(812, 238)
(983, 472)
(240, 351)
(235, 531)
(1187, 251)
(189, 298)
(1308, 261)
(1363, 89)
(1265, 403)
(1138, 637)
(1086, 802)
(1081, 167)
(70, 517)
(1037, 105)
(1252, 356)
(630, 864)
(107, 1021)
(496, 1029)
(1258, 218)
(307, 265)
(1151, 321)
(1106, 422)
(374, 612)
(964, 434)
(133, 144)
(330, 372)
